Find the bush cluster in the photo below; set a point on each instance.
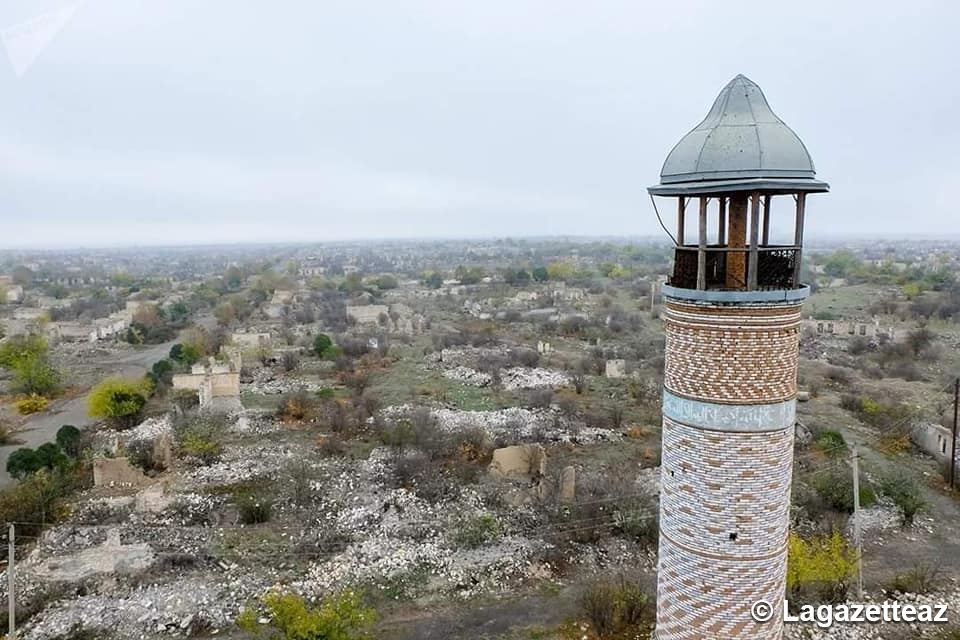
(615, 607)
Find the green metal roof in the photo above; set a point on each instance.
(740, 145)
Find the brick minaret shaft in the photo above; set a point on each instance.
(728, 415)
(731, 318)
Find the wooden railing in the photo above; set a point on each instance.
(776, 268)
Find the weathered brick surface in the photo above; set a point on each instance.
(724, 505)
(732, 354)
(709, 598)
(715, 484)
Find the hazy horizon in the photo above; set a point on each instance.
(162, 123)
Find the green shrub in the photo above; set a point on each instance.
(830, 442)
(39, 497)
(70, 440)
(201, 437)
(922, 578)
(118, 400)
(26, 461)
(836, 490)
(478, 531)
(905, 493)
(31, 404)
(615, 606)
(326, 393)
(201, 446)
(819, 568)
(322, 344)
(338, 617)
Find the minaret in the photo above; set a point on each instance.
(731, 313)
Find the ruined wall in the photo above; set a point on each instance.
(367, 314)
(730, 384)
(225, 385)
(108, 471)
(190, 381)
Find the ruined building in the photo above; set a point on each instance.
(732, 318)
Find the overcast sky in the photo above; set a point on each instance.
(178, 121)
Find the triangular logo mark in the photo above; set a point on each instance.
(25, 41)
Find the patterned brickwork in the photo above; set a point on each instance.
(709, 598)
(715, 485)
(725, 497)
(735, 354)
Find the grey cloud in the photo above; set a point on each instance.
(440, 118)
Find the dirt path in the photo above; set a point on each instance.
(43, 427)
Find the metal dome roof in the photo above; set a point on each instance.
(741, 143)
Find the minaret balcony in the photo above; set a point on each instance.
(728, 268)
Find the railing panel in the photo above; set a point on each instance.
(775, 267)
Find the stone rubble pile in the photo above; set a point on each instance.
(241, 462)
(468, 376)
(523, 378)
(268, 382)
(147, 432)
(179, 608)
(469, 356)
(512, 424)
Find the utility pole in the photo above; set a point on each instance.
(953, 446)
(11, 588)
(856, 520)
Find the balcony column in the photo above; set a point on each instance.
(737, 239)
(766, 221)
(798, 237)
(681, 209)
(702, 246)
(752, 264)
(722, 221)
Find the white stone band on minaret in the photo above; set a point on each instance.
(737, 418)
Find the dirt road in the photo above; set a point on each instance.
(43, 427)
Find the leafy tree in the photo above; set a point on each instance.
(185, 354)
(560, 270)
(540, 274)
(21, 347)
(434, 280)
(225, 314)
(22, 275)
(516, 276)
(178, 312)
(69, 440)
(27, 358)
(162, 371)
(233, 278)
(386, 282)
(118, 400)
(841, 264)
(823, 565)
(919, 339)
(24, 462)
(122, 279)
(905, 493)
(322, 344)
(469, 275)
